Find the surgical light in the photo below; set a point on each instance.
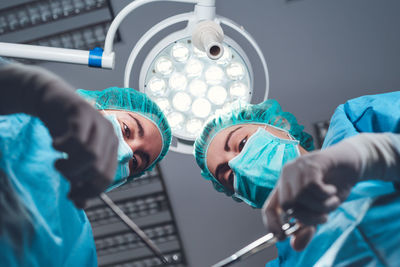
(192, 74)
(198, 87)
(235, 71)
(180, 52)
(194, 68)
(193, 126)
(164, 104)
(177, 81)
(226, 56)
(214, 75)
(157, 86)
(175, 120)
(164, 66)
(201, 108)
(238, 90)
(181, 101)
(217, 94)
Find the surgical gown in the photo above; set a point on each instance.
(365, 229)
(62, 235)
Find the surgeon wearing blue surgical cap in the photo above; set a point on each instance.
(59, 148)
(352, 187)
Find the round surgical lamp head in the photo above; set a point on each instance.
(195, 73)
(189, 86)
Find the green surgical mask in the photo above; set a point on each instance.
(259, 164)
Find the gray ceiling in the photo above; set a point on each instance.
(319, 52)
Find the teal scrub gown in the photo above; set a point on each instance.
(365, 229)
(61, 234)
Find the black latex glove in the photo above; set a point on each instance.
(77, 128)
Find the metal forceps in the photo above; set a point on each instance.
(258, 245)
(150, 244)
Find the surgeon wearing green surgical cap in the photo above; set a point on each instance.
(242, 152)
(58, 148)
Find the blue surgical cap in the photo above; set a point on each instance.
(267, 112)
(128, 99)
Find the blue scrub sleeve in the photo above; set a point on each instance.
(340, 127)
(366, 114)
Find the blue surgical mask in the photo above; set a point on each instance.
(259, 164)
(125, 154)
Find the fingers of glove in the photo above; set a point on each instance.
(302, 237)
(308, 217)
(77, 135)
(80, 203)
(97, 172)
(72, 168)
(306, 180)
(90, 185)
(288, 185)
(75, 196)
(74, 142)
(313, 202)
(271, 214)
(320, 189)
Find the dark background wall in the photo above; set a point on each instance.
(319, 52)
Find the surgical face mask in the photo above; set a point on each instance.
(259, 164)
(125, 154)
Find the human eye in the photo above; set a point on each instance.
(126, 130)
(135, 163)
(242, 143)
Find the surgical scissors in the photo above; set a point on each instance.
(258, 245)
(150, 244)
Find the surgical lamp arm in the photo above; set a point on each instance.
(93, 58)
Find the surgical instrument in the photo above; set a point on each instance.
(258, 245)
(150, 244)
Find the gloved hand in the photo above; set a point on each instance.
(312, 186)
(77, 128)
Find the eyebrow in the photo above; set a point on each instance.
(145, 157)
(141, 131)
(226, 147)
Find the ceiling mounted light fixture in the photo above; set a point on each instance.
(192, 74)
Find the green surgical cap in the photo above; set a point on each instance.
(267, 112)
(129, 99)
